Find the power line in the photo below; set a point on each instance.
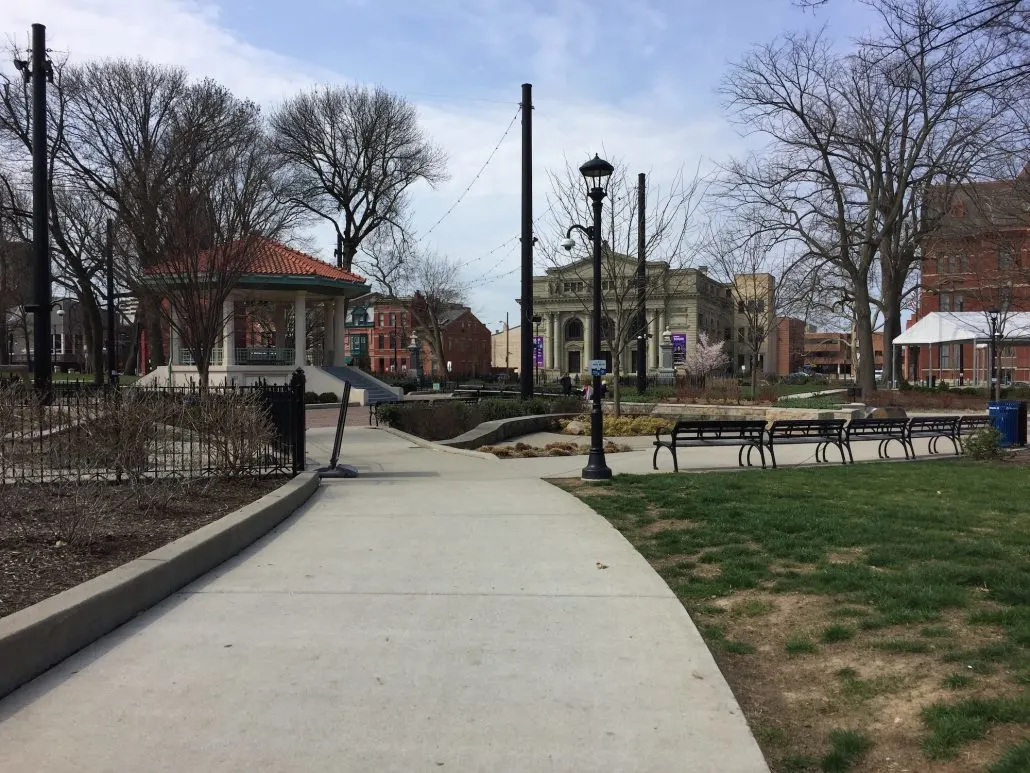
(478, 175)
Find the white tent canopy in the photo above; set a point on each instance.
(941, 327)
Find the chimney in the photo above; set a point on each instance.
(702, 270)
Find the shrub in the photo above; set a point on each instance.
(311, 397)
(328, 397)
(983, 444)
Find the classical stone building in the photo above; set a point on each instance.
(680, 301)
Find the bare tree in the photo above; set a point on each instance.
(388, 257)
(355, 153)
(742, 258)
(14, 288)
(211, 229)
(857, 141)
(436, 292)
(670, 245)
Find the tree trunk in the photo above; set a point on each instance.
(94, 330)
(754, 376)
(5, 349)
(866, 376)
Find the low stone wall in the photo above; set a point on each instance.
(490, 432)
(38, 637)
(767, 412)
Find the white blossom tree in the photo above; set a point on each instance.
(706, 358)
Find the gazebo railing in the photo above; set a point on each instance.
(264, 355)
(185, 356)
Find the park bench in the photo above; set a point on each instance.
(935, 428)
(746, 433)
(883, 430)
(823, 432)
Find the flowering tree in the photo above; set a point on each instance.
(706, 358)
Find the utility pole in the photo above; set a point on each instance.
(507, 345)
(641, 284)
(112, 360)
(40, 71)
(338, 252)
(527, 358)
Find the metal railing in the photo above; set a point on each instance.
(185, 356)
(146, 433)
(264, 355)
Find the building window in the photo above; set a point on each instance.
(945, 363)
(574, 330)
(393, 319)
(572, 287)
(942, 265)
(945, 301)
(382, 318)
(393, 340)
(382, 340)
(1004, 257)
(57, 344)
(740, 334)
(965, 264)
(959, 302)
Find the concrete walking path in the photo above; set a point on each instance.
(442, 612)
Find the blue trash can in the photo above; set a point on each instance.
(1005, 414)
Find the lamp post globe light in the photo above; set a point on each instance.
(596, 173)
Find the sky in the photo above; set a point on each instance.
(634, 81)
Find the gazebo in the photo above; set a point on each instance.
(266, 333)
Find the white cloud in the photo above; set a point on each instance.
(649, 133)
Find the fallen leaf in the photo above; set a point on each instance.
(601, 566)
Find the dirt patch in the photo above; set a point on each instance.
(793, 701)
(664, 524)
(53, 538)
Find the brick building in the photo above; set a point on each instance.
(977, 260)
(790, 345)
(379, 331)
(830, 353)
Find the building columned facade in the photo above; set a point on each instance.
(683, 302)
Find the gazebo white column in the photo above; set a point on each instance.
(339, 330)
(173, 339)
(300, 330)
(228, 330)
(549, 342)
(328, 332)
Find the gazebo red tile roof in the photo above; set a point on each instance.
(273, 258)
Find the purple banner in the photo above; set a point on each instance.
(538, 350)
(679, 348)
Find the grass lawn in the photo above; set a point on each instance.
(868, 618)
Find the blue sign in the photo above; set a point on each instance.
(598, 367)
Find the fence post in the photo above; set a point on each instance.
(297, 384)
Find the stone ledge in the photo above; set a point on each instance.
(490, 432)
(39, 637)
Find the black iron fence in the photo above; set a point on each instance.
(139, 433)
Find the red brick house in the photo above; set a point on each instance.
(977, 260)
(379, 330)
(790, 345)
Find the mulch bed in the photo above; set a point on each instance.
(55, 537)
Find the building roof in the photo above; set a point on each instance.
(268, 264)
(947, 326)
(274, 258)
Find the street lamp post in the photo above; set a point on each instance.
(993, 316)
(596, 172)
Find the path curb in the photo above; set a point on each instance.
(36, 638)
(438, 446)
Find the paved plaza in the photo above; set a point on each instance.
(444, 611)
